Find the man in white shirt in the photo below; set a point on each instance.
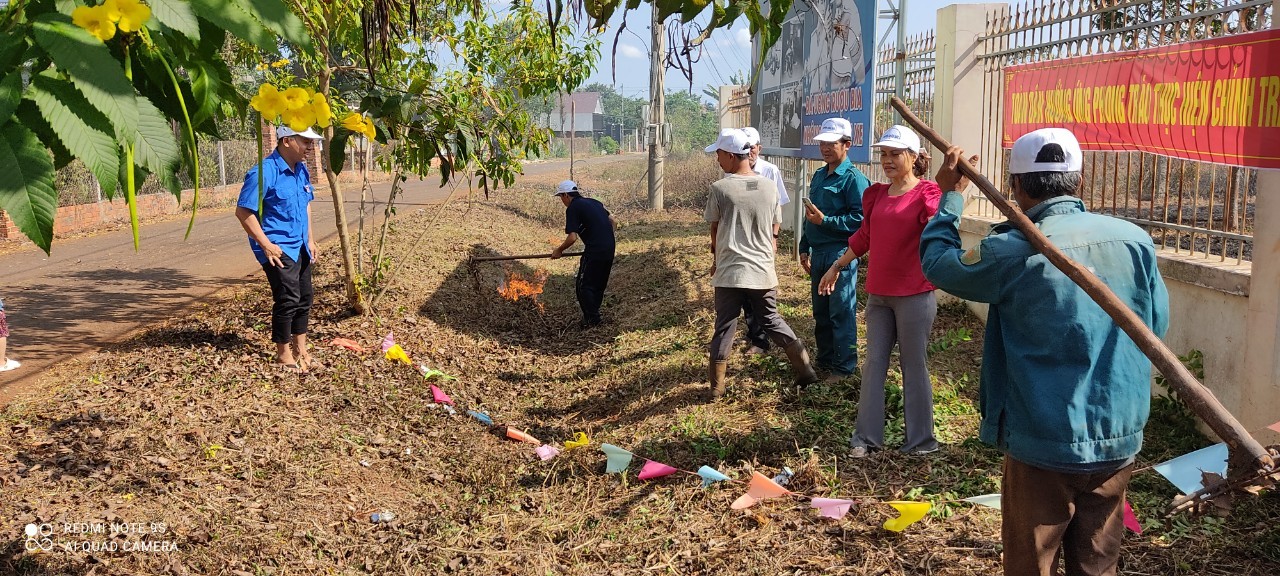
(755, 332)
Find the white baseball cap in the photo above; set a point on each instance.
(285, 132)
(834, 130)
(900, 137)
(566, 187)
(753, 136)
(731, 140)
(1046, 150)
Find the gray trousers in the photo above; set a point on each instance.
(764, 305)
(907, 321)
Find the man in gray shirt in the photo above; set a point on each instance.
(745, 217)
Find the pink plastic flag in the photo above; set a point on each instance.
(439, 397)
(1275, 427)
(911, 512)
(1131, 519)
(653, 469)
(743, 502)
(833, 508)
(547, 452)
(388, 342)
(349, 344)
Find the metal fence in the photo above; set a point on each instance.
(1205, 209)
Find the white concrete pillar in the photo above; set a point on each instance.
(959, 107)
(1261, 389)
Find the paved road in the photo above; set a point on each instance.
(96, 290)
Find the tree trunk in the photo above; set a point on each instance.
(354, 298)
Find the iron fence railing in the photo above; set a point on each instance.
(1201, 208)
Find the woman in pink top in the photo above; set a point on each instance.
(900, 303)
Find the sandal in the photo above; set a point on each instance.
(9, 364)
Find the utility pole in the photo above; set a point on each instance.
(657, 68)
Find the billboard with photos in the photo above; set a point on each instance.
(821, 67)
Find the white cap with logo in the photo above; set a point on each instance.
(900, 137)
(566, 187)
(731, 140)
(1046, 150)
(285, 132)
(753, 136)
(834, 130)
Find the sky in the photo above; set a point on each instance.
(726, 53)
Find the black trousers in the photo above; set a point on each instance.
(291, 291)
(592, 278)
(729, 301)
(755, 330)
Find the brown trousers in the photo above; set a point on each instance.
(1047, 514)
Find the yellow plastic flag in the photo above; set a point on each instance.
(911, 512)
(395, 352)
(580, 440)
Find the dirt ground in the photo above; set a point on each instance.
(185, 437)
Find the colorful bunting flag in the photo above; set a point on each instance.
(395, 352)
(521, 435)
(547, 452)
(759, 488)
(988, 500)
(910, 513)
(580, 440)
(388, 342)
(710, 476)
(653, 470)
(1131, 519)
(480, 417)
(1185, 471)
(351, 345)
(833, 508)
(1275, 427)
(439, 396)
(619, 459)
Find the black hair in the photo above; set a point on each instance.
(1042, 185)
(742, 156)
(921, 165)
(573, 194)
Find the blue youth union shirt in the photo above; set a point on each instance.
(286, 195)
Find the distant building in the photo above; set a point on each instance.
(580, 112)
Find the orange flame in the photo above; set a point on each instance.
(514, 286)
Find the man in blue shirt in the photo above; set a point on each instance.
(1065, 392)
(279, 227)
(833, 212)
(587, 218)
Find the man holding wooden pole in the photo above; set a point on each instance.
(587, 218)
(1065, 391)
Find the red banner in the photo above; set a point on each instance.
(1214, 100)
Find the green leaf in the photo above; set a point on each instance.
(10, 95)
(279, 19)
(338, 150)
(26, 184)
(82, 129)
(177, 15)
(155, 147)
(11, 48)
(232, 16)
(95, 72)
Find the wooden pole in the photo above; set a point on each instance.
(522, 257)
(1247, 456)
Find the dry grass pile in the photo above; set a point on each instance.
(188, 435)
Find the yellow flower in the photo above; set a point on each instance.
(299, 119)
(95, 20)
(269, 102)
(369, 130)
(323, 113)
(280, 63)
(296, 98)
(129, 15)
(353, 122)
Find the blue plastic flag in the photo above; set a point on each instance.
(619, 459)
(481, 416)
(1184, 471)
(988, 500)
(710, 476)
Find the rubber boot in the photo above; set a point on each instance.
(800, 365)
(717, 370)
